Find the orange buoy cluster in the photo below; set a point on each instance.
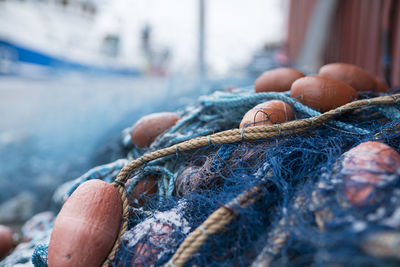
(337, 84)
(88, 223)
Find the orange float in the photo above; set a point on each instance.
(268, 113)
(365, 166)
(6, 240)
(321, 93)
(277, 80)
(87, 226)
(149, 127)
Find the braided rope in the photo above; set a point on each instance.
(222, 216)
(214, 223)
(275, 242)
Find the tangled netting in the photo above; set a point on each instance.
(290, 210)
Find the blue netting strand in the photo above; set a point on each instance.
(167, 182)
(390, 112)
(222, 155)
(180, 139)
(185, 120)
(39, 257)
(234, 100)
(107, 173)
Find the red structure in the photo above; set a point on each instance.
(362, 32)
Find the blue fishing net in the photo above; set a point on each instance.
(299, 215)
(39, 257)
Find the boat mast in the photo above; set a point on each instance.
(201, 45)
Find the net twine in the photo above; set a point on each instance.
(224, 215)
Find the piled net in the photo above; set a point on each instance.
(269, 201)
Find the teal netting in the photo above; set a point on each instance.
(301, 216)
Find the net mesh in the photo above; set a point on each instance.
(300, 214)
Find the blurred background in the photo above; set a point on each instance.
(75, 73)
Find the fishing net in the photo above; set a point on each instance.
(266, 195)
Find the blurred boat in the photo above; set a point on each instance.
(43, 36)
(19, 59)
